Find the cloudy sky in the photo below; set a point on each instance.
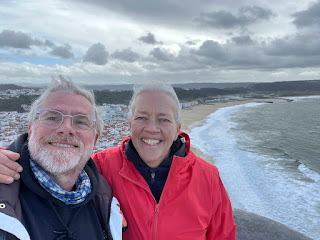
(178, 41)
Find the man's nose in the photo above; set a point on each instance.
(66, 127)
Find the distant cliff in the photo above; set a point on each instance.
(185, 92)
(299, 87)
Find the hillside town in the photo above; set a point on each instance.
(12, 124)
(116, 128)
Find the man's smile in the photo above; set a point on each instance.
(63, 145)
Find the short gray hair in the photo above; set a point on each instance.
(62, 84)
(155, 86)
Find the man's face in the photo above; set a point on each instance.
(153, 126)
(62, 150)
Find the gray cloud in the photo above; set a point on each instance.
(243, 52)
(126, 55)
(161, 54)
(20, 40)
(62, 51)
(300, 45)
(190, 43)
(15, 39)
(242, 40)
(309, 17)
(154, 11)
(48, 43)
(9, 38)
(149, 39)
(224, 19)
(211, 49)
(96, 54)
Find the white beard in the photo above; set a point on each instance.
(58, 161)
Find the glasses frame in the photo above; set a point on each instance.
(66, 115)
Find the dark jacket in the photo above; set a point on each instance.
(39, 207)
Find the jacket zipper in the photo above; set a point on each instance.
(155, 222)
(152, 177)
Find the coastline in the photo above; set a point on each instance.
(197, 115)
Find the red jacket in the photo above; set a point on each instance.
(194, 204)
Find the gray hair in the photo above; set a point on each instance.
(155, 86)
(61, 84)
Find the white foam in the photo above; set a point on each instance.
(302, 97)
(309, 173)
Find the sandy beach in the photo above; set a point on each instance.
(197, 115)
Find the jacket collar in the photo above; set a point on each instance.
(179, 164)
(177, 149)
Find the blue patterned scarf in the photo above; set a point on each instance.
(83, 186)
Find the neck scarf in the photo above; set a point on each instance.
(83, 186)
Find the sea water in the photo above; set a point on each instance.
(268, 156)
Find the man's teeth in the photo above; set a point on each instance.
(151, 141)
(63, 145)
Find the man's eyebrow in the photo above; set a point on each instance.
(163, 114)
(142, 112)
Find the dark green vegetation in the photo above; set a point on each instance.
(256, 90)
(294, 88)
(15, 103)
(112, 97)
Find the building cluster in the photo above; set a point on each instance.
(18, 92)
(12, 124)
(116, 126)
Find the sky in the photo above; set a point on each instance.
(175, 41)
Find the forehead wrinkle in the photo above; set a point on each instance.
(52, 103)
(150, 113)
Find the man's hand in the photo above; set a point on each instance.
(9, 169)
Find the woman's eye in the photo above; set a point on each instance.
(140, 118)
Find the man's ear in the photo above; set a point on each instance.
(96, 137)
(29, 129)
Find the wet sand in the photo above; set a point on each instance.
(197, 115)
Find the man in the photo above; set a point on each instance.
(165, 191)
(60, 194)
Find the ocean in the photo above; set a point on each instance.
(268, 156)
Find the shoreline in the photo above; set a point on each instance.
(197, 115)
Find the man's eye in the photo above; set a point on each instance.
(141, 118)
(81, 123)
(53, 119)
(164, 120)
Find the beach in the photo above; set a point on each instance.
(197, 115)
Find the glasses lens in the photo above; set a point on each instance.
(82, 123)
(51, 119)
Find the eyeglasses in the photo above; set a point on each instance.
(53, 119)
